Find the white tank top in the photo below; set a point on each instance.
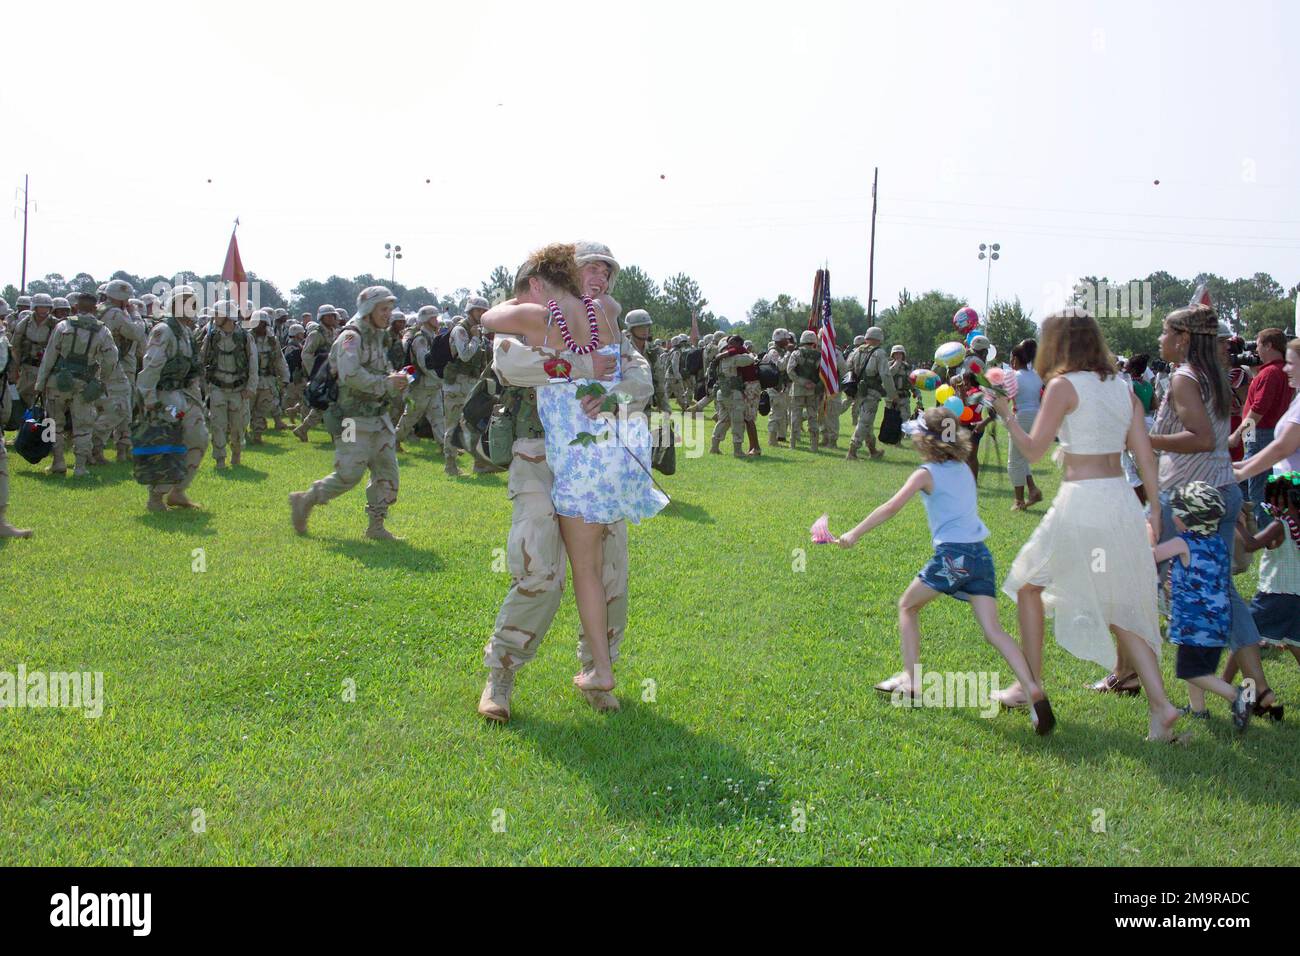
(1099, 426)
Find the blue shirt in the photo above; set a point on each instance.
(1199, 612)
(950, 508)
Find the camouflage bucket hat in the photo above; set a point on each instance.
(1199, 506)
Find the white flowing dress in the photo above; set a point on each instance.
(1090, 552)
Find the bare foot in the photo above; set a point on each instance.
(1035, 497)
(1161, 725)
(1014, 697)
(594, 680)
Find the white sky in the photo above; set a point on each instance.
(1038, 125)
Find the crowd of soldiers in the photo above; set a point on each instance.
(96, 362)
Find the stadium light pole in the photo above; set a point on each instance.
(392, 253)
(989, 252)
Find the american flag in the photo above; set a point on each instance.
(820, 321)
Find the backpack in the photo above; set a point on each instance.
(439, 353)
(769, 376)
(807, 364)
(293, 359)
(323, 389)
(693, 361)
(30, 441)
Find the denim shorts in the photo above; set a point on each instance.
(962, 571)
(1278, 617)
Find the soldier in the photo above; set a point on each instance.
(424, 397)
(5, 313)
(901, 371)
(679, 384)
(638, 324)
(272, 375)
(874, 383)
(315, 350)
(397, 360)
(62, 309)
(364, 437)
(778, 420)
(468, 360)
(295, 335)
(832, 407)
(28, 343)
(803, 365)
(169, 377)
(6, 529)
(731, 392)
(534, 551)
(78, 367)
(229, 360)
(151, 313)
(859, 345)
(113, 424)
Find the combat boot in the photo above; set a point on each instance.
(377, 531)
(9, 531)
(80, 471)
(156, 502)
(279, 425)
(853, 453)
(876, 453)
(737, 450)
(58, 466)
(300, 432)
(178, 499)
(235, 452)
(714, 449)
(494, 702)
(812, 442)
(221, 464)
(97, 455)
(300, 505)
(123, 451)
(451, 469)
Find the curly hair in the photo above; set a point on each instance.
(1072, 342)
(940, 424)
(555, 265)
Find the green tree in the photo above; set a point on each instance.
(1268, 314)
(499, 286)
(920, 324)
(1007, 324)
(633, 289)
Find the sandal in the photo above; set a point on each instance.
(1273, 711)
(889, 684)
(1020, 703)
(1241, 710)
(1129, 686)
(1197, 714)
(1041, 716)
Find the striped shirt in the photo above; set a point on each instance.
(1178, 468)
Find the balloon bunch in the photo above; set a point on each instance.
(923, 379)
(947, 396)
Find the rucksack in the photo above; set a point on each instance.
(323, 389)
(439, 353)
(30, 441)
(769, 376)
(807, 364)
(693, 361)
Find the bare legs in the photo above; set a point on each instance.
(584, 543)
(1161, 713)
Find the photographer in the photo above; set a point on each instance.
(1267, 400)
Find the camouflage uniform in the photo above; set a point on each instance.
(424, 398)
(805, 391)
(534, 551)
(272, 371)
(778, 420)
(469, 358)
(874, 383)
(364, 436)
(731, 407)
(170, 376)
(6, 529)
(80, 352)
(27, 344)
(229, 360)
(113, 424)
(320, 340)
(833, 407)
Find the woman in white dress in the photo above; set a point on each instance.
(1089, 563)
(600, 465)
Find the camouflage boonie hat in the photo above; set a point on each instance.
(1199, 506)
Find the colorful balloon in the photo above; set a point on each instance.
(954, 404)
(965, 320)
(930, 382)
(943, 393)
(971, 336)
(967, 414)
(950, 354)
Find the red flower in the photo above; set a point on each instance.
(557, 368)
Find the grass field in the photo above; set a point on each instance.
(746, 686)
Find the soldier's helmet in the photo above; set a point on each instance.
(42, 301)
(84, 296)
(898, 350)
(137, 304)
(23, 302)
(771, 345)
(749, 344)
(59, 302)
(638, 318)
(586, 251)
(781, 335)
(296, 330)
(477, 302)
(4, 308)
(149, 300)
(225, 309)
(260, 317)
(426, 313)
(177, 296)
(859, 339)
(875, 334)
(326, 309)
(370, 297)
(808, 337)
(119, 290)
(398, 318)
(979, 343)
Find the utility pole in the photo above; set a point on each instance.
(23, 290)
(871, 269)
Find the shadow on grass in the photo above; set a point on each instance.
(384, 554)
(241, 473)
(641, 765)
(176, 520)
(1211, 765)
(265, 448)
(677, 508)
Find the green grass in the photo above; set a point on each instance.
(225, 691)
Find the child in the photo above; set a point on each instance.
(961, 566)
(1200, 616)
(1276, 606)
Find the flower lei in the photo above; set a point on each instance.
(569, 343)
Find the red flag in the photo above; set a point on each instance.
(233, 272)
(695, 328)
(1201, 296)
(819, 320)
